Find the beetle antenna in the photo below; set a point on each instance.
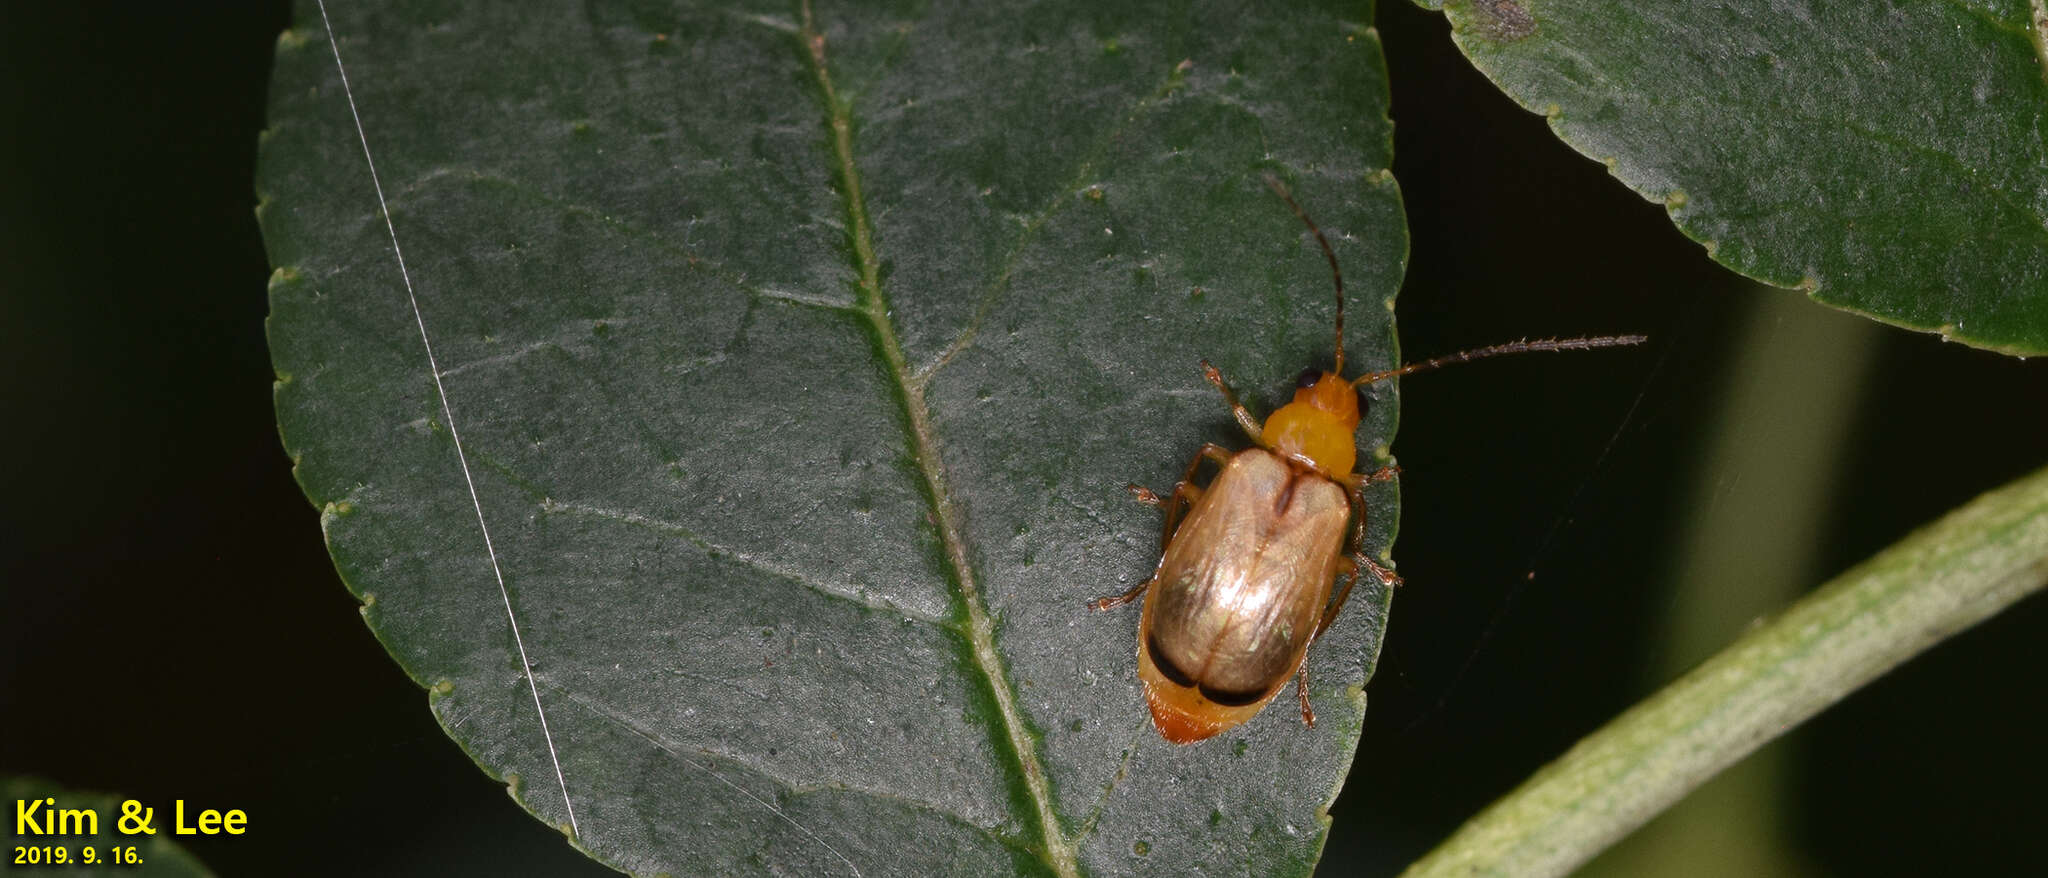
(1513, 347)
(1336, 275)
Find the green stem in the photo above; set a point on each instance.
(1938, 581)
(1752, 544)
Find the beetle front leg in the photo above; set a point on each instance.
(1250, 425)
(1356, 482)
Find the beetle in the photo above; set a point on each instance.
(1248, 576)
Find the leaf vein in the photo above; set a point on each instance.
(716, 550)
(677, 750)
(1058, 851)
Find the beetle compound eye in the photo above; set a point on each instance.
(1364, 402)
(1165, 665)
(1308, 377)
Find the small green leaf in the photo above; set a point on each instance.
(798, 359)
(1885, 158)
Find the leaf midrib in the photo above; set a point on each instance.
(873, 306)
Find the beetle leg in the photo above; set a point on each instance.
(1353, 561)
(1354, 558)
(1346, 567)
(1186, 492)
(1114, 601)
(1357, 482)
(1184, 496)
(1383, 573)
(1308, 714)
(1245, 421)
(1360, 480)
(1379, 571)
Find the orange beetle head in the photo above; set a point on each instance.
(1330, 392)
(1319, 423)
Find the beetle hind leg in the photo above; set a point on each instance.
(1308, 714)
(1114, 601)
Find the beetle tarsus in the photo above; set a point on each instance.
(1143, 494)
(1383, 573)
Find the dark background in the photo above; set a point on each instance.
(172, 628)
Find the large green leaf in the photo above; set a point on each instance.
(1886, 157)
(799, 368)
